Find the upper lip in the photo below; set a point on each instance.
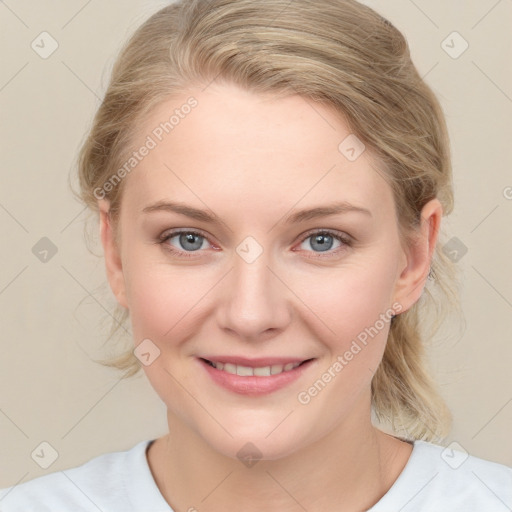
(255, 362)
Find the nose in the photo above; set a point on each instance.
(255, 301)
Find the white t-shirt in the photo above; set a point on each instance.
(434, 479)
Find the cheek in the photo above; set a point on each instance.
(164, 308)
(161, 303)
(168, 302)
(356, 308)
(348, 299)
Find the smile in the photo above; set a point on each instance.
(247, 371)
(254, 377)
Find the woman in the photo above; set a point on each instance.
(270, 178)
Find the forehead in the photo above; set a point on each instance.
(244, 150)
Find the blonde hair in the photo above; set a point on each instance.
(337, 52)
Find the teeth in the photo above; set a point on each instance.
(230, 368)
(276, 368)
(247, 371)
(244, 371)
(262, 372)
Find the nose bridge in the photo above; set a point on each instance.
(255, 299)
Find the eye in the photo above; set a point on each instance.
(323, 241)
(189, 241)
(186, 242)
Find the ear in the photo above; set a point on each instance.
(418, 256)
(112, 254)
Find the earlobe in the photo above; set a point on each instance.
(411, 282)
(113, 262)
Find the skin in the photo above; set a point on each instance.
(252, 160)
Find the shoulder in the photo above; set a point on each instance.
(438, 478)
(99, 483)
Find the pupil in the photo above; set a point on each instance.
(189, 238)
(323, 242)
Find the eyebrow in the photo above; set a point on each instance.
(300, 216)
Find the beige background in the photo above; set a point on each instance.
(54, 314)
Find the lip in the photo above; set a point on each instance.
(254, 385)
(255, 362)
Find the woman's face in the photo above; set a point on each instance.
(238, 277)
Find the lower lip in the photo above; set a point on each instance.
(252, 385)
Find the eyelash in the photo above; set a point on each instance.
(345, 240)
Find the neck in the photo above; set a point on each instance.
(350, 469)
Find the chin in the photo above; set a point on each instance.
(249, 450)
(263, 439)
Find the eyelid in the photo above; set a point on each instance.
(176, 231)
(169, 233)
(333, 232)
(343, 237)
